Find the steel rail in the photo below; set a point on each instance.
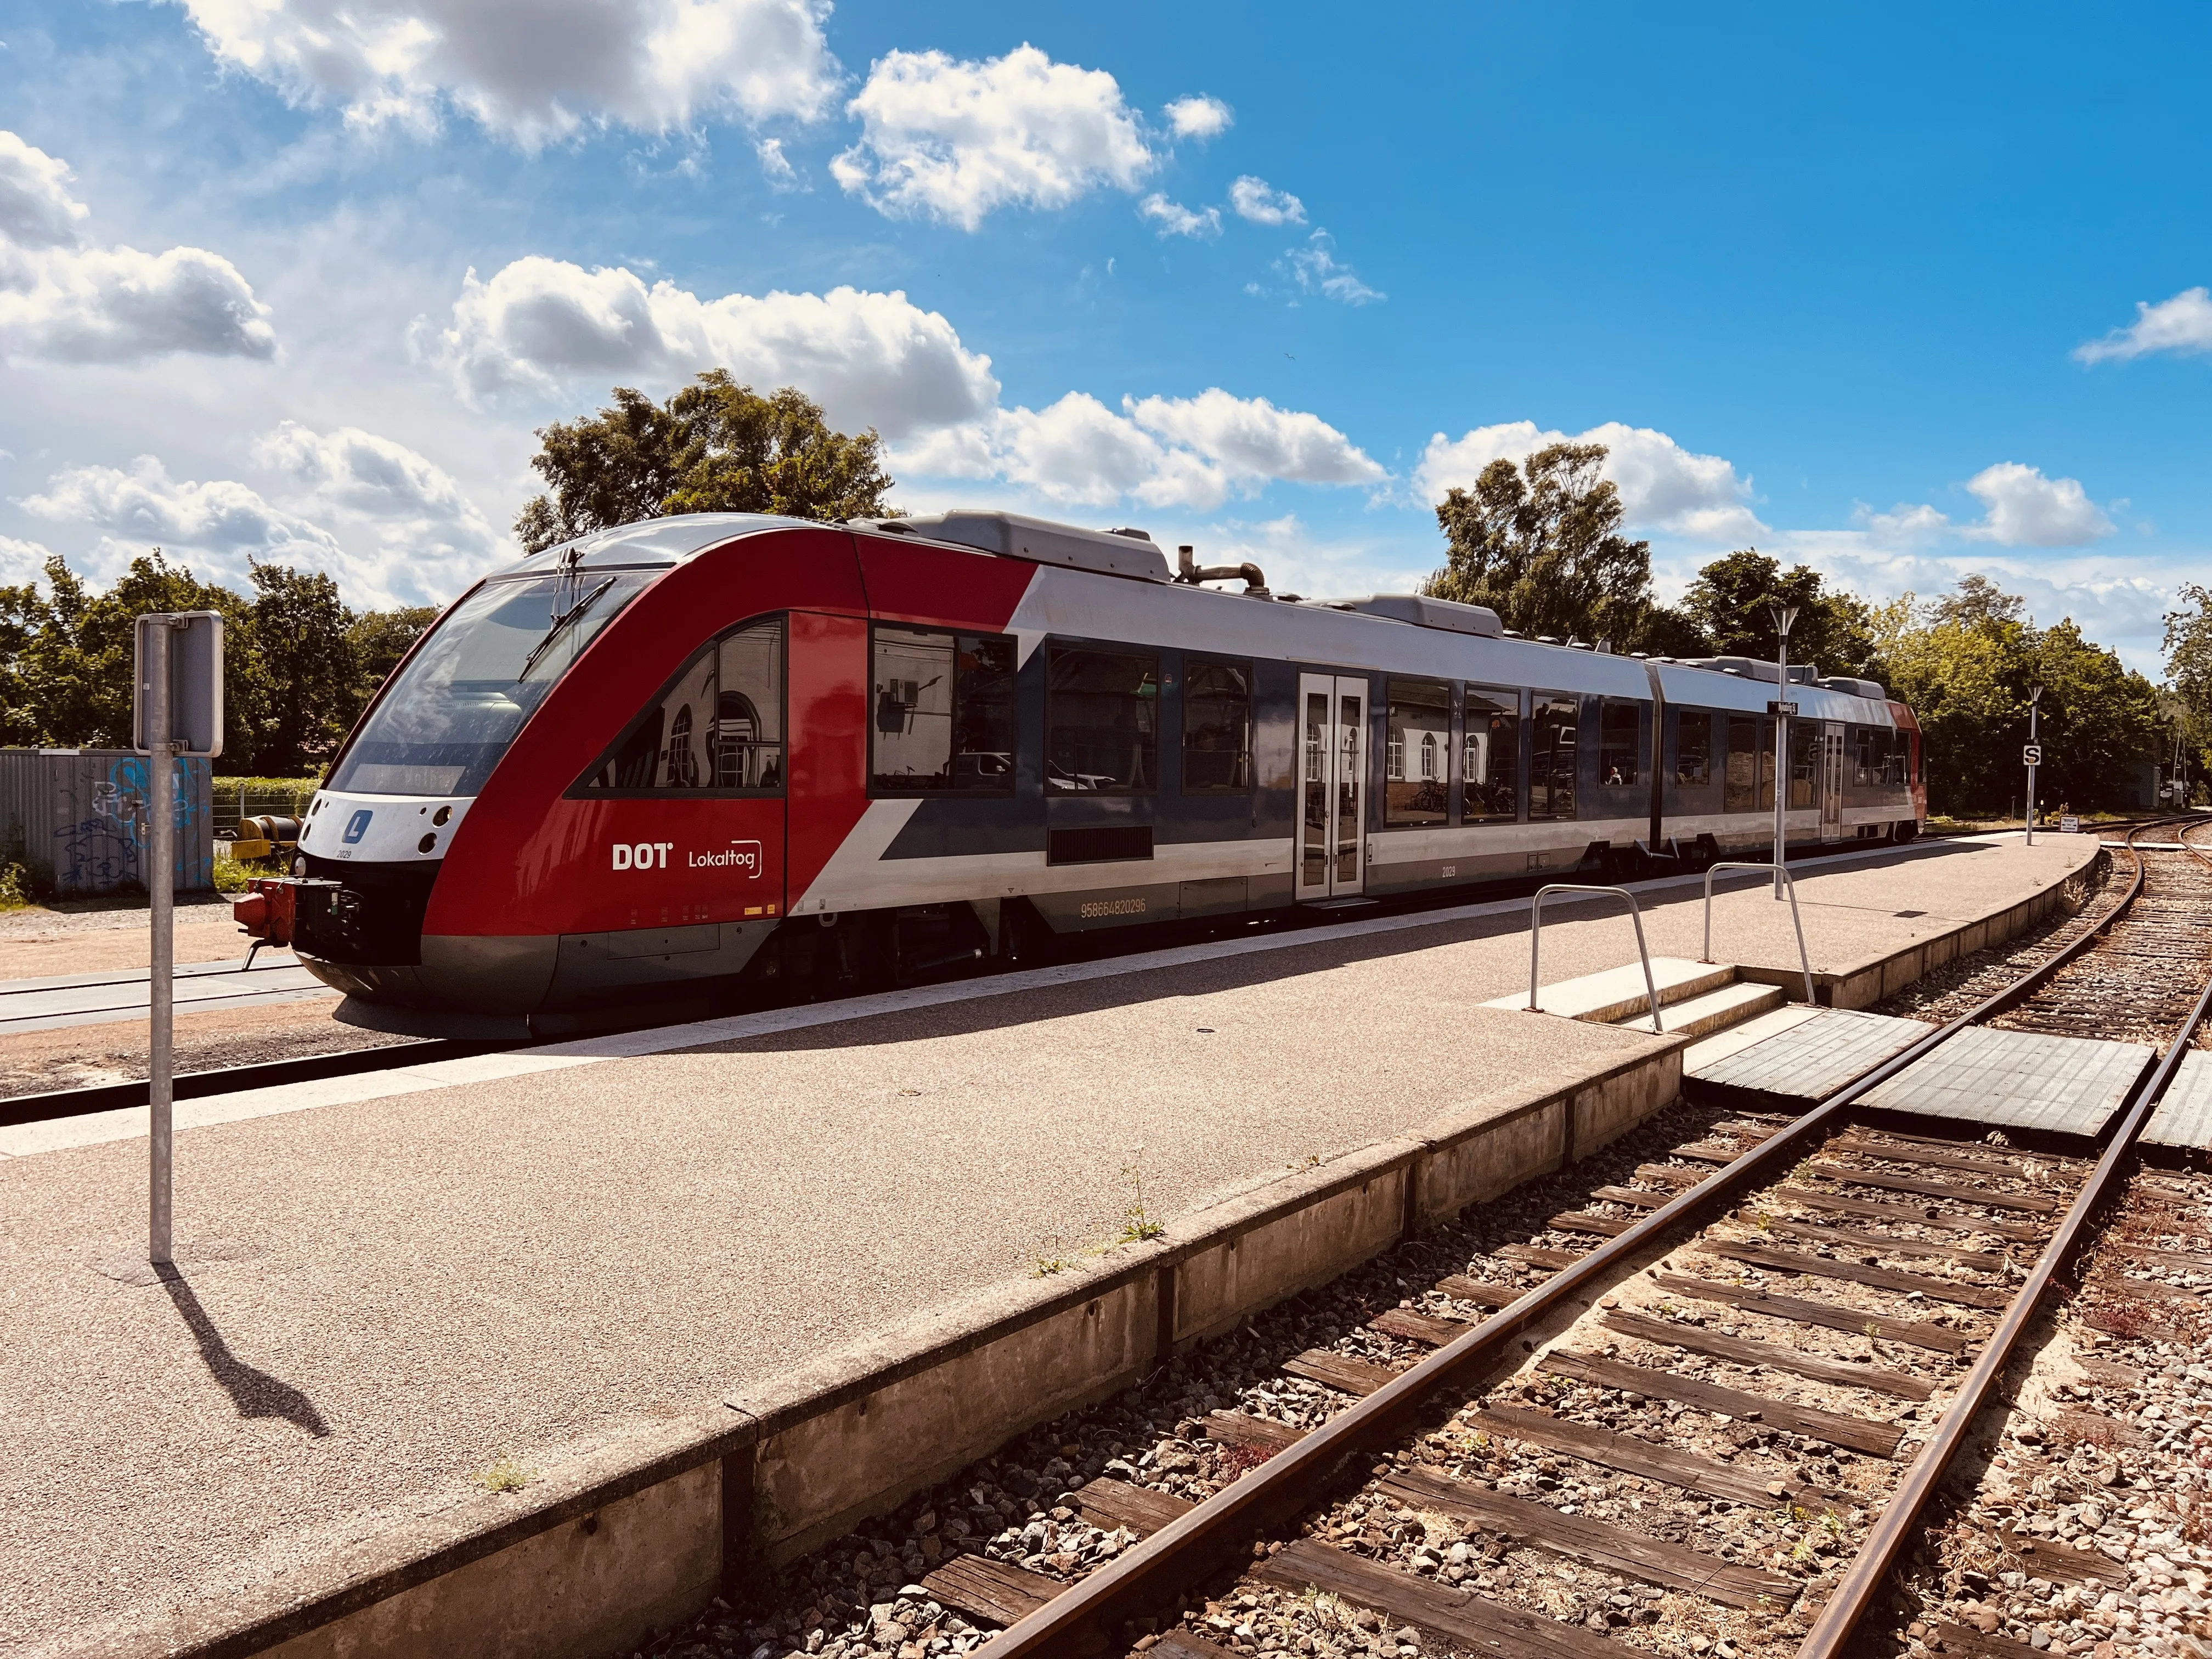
(1855, 1593)
(1220, 1530)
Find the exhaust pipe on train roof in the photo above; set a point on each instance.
(1187, 569)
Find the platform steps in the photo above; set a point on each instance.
(1695, 998)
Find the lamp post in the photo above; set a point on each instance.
(2034, 697)
(1785, 617)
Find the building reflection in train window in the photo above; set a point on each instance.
(1553, 718)
(1693, 749)
(719, 728)
(1620, 743)
(1490, 764)
(1750, 784)
(1217, 728)
(1417, 754)
(944, 712)
(1102, 721)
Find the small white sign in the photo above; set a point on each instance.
(2070, 824)
(2031, 754)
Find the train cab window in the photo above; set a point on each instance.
(1693, 749)
(1490, 762)
(1102, 721)
(1553, 717)
(1217, 728)
(1417, 754)
(718, 730)
(1749, 786)
(942, 712)
(1620, 743)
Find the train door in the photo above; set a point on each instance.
(1832, 782)
(1332, 835)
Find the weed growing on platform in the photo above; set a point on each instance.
(1138, 1223)
(506, 1475)
(14, 888)
(1046, 1259)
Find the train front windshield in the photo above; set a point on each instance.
(442, 726)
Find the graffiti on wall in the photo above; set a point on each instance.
(103, 844)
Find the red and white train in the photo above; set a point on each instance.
(666, 762)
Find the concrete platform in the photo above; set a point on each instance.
(2019, 1080)
(2184, 1114)
(731, 1287)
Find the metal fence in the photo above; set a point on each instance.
(236, 800)
(75, 820)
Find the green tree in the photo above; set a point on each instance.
(1540, 544)
(1731, 604)
(300, 636)
(2188, 671)
(1968, 664)
(715, 446)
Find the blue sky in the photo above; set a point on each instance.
(1905, 292)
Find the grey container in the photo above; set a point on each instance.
(76, 818)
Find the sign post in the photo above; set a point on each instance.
(176, 710)
(2031, 756)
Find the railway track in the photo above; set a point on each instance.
(1913, 1263)
(1704, 1407)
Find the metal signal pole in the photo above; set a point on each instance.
(160, 871)
(1785, 618)
(2034, 749)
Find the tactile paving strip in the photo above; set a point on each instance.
(2184, 1117)
(1812, 1061)
(2018, 1080)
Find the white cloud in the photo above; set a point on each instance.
(1199, 117)
(2183, 324)
(1663, 487)
(1317, 270)
(220, 518)
(1174, 219)
(1257, 200)
(2026, 509)
(951, 139)
(776, 166)
(1191, 451)
(868, 359)
(22, 561)
(534, 70)
(1904, 524)
(61, 299)
(36, 209)
(1250, 439)
(373, 477)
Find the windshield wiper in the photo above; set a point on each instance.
(560, 625)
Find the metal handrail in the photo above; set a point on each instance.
(1536, 939)
(1804, 961)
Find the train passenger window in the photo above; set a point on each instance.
(1749, 786)
(1866, 765)
(1693, 749)
(718, 730)
(1417, 754)
(1553, 718)
(942, 712)
(1217, 728)
(1102, 721)
(1490, 764)
(1804, 742)
(1895, 772)
(1620, 743)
